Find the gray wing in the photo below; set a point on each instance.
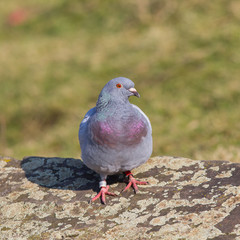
(83, 125)
(145, 116)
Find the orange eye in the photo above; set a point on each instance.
(119, 85)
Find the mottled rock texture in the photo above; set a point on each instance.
(47, 198)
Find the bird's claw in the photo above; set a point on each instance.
(102, 194)
(133, 182)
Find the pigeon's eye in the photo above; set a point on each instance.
(119, 85)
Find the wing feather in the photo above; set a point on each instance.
(145, 116)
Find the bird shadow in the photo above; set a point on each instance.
(63, 173)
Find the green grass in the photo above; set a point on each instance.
(184, 57)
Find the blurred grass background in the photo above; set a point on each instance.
(184, 57)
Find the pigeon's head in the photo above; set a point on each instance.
(117, 90)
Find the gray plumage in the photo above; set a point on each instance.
(115, 136)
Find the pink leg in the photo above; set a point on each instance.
(133, 182)
(102, 194)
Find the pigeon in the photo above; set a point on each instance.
(115, 136)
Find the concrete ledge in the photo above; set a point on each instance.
(47, 198)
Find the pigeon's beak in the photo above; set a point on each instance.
(134, 92)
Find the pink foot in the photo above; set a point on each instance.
(103, 192)
(133, 182)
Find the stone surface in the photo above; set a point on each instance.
(47, 198)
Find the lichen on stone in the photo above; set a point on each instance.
(48, 198)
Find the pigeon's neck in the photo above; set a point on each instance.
(105, 102)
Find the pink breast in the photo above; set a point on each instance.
(131, 133)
